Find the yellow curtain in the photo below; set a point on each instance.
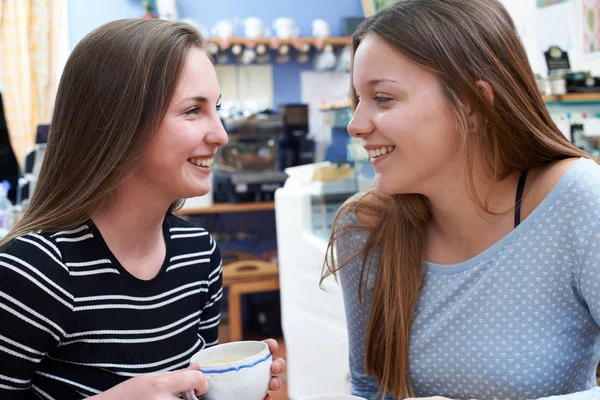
(25, 63)
(59, 51)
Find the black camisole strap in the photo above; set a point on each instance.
(520, 188)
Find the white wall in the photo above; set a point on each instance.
(524, 15)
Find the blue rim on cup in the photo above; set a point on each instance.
(228, 367)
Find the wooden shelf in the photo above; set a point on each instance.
(220, 208)
(335, 41)
(573, 98)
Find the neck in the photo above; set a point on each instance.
(131, 225)
(459, 229)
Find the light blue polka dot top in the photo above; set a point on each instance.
(518, 321)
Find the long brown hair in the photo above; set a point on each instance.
(112, 96)
(460, 42)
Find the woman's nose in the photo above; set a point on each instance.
(217, 135)
(360, 124)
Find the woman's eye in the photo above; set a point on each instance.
(381, 100)
(192, 111)
(219, 107)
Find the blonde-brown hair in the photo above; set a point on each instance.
(113, 93)
(460, 42)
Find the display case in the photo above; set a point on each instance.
(313, 318)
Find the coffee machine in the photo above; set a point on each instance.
(295, 146)
(247, 169)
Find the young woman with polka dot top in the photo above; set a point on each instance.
(472, 270)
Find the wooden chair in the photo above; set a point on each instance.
(245, 277)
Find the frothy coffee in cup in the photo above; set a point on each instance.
(222, 361)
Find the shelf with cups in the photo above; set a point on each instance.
(275, 42)
(574, 98)
(326, 53)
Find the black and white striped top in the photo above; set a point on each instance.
(74, 322)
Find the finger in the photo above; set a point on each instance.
(192, 367)
(273, 345)
(185, 380)
(275, 383)
(196, 367)
(278, 366)
(268, 397)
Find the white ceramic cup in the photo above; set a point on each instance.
(224, 29)
(332, 397)
(285, 28)
(254, 28)
(320, 29)
(235, 370)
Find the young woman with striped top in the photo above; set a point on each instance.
(104, 292)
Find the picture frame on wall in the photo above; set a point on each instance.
(371, 7)
(591, 29)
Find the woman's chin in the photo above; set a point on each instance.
(383, 186)
(198, 190)
(390, 186)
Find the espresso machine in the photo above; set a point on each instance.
(296, 148)
(247, 169)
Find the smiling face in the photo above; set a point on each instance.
(178, 161)
(404, 120)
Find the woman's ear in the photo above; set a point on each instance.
(488, 92)
(487, 89)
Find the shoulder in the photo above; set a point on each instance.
(360, 210)
(34, 258)
(176, 221)
(181, 229)
(587, 175)
(358, 217)
(577, 178)
(580, 170)
(189, 236)
(351, 228)
(346, 214)
(39, 249)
